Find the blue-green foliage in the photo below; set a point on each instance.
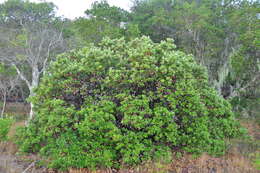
(122, 103)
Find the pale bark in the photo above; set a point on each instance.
(34, 84)
(4, 104)
(30, 41)
(31, 115)
(41, 44)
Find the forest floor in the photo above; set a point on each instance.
(243, 156)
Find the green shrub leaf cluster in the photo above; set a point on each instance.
(5, 125)
(123, 103)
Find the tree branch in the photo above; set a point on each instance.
(22, 76)
(237, 91)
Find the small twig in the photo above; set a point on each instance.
(31, 165)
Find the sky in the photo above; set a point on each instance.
(75, 8)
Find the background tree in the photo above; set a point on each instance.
(242, 84)
(102, 21)
(209, 30)
(29, 39)
(8, 82)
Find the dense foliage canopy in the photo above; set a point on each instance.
(122, 103)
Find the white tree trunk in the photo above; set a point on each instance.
(31, 85)
(31, 111)
(34, 84)
(4, 105)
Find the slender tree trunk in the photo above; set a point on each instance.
(31, 111)
(31, 84)
(31, 114)
(4, 105)
(34, 84)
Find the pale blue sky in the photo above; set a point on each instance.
(75, 8)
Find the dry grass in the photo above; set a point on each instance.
(19, 111)
(252, 127)
(230, 163)
(8, 147)
(13, 128)
(17, 107)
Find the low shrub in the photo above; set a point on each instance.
(122, 103)
(257, 161)
(5, 124)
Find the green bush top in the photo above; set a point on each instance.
(122, 103)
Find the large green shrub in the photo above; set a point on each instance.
(122, 103)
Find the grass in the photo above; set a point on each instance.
(257, 162)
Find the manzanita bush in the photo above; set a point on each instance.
(122, 103)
